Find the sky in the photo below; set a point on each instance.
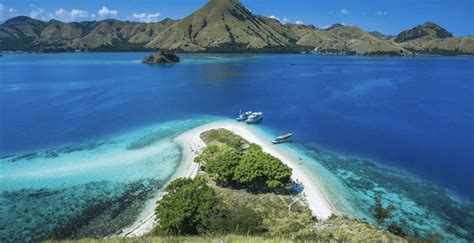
(386, 16)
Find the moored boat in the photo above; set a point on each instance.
(255, 117)
(243, 116)
(283, 138)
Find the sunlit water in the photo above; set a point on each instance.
(87, 138)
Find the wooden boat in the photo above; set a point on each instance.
(283, 138)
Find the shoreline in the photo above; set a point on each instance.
(192, 145)
(186, 169)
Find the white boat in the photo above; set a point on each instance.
(283, 138)
(255, 117)
(243, 116)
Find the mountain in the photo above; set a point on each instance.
(26, 34)
(350, 40)
(430, 38)
(225, 26)
(221, 25)
(428, 30)
(381, 35)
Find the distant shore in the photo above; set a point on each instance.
(193, 145)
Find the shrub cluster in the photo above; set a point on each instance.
(251, 168)
(191, 207)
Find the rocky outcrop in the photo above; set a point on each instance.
(162, 57)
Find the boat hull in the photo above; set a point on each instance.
(281, 141)
(256, 121)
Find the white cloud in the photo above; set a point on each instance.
(104, 12)
(381, 13)
(344, 11)
(39, 13)
(274, 17)
(77, 13)
(61, 13)
(299, 22)
(145, 17)
(68, 16)
(6, 14)
(326, 26)
(285, 20)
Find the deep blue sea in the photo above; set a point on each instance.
(82, 133)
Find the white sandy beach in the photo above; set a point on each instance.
(193, 145)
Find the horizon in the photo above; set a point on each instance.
(386, 17)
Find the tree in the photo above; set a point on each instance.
(186, 207)
(259, 169)
(236, 219)
(209, 153)
(221, 167)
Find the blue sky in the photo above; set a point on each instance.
(387, 16)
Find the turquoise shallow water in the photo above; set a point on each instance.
(351, 184)
(86, 138)
(92, 189)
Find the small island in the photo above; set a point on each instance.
(162, 57)
(235, 186)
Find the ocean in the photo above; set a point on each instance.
(87, 138)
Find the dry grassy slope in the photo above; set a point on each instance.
(454, 45)
(223, 25)
(88, 34)
(430, 38)
(427, 30)
(292, 31)
(145, 32)
(22, 26)
(219, 23)
(350, 39)
(60, 31)
(103, 34)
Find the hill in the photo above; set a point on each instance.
(430, 38)
(222, 26)
(352, 40)
(225, 26)
(26, 34)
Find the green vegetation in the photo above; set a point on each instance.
(186, 207)
(225, 26)
(192, 207)
(201, 207)
(231, 161)
(258, 169)
(211, 209)
(212, 204)
(230, 192)
(221, 163)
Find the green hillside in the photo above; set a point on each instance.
(225, 26)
